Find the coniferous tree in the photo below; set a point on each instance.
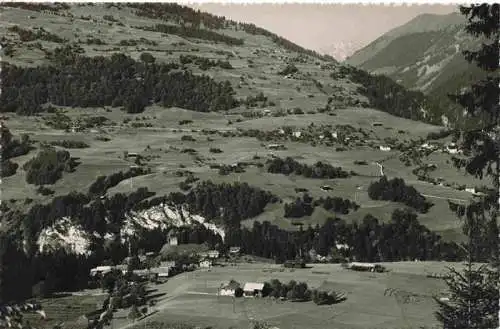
(474, 301)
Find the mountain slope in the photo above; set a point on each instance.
(425, 54)
(167, 120)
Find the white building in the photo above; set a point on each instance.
(173, 241)
(384, 148)
(229, 289)
(252, 289)
(213, 254)
(205, 263)
(100, 270)
(470, 189)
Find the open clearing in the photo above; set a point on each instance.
(192, 297)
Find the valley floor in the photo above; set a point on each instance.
(399, 298)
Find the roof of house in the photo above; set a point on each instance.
(251, 286)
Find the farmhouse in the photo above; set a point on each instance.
(229, 289)
(384, 148)
(142, 273)
(355, 266)
(342, 246)
(161, 272)
(252, 289)
(205, 263)
(276, 146)
(213, 254)
(470, 189)
(132, 155)
(234, 251)
(172, 240)
(100, 270)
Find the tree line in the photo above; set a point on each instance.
(79, 81)
(402, 239)
(396, 190)
(193, 32)
(12, 148)
(227, 203)
(305, 206)
(300, 292)
(204, 63)
(289, 166)
(103, 183)
(388, 96)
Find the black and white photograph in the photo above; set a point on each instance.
(249, 165)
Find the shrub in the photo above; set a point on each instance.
(238, 292)
(289, 69)
(69, 144)
(8, 168)
(185, 122)
(44, 190)
(215, 150)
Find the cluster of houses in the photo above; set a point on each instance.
(164, 268)
(158, 273)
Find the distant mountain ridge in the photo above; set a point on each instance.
(424, 54)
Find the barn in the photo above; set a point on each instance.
(252, 289)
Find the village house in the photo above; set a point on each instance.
(205, 263)
(252, 289)
(355, 266)
(384, 148)
(276, 146)
(100, 270)
(172, 240)
(161, 272)
(213, 254)
(470, 189)
(234, 251)
(229, 289)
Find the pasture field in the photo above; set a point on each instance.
(163, 144)
(67, 309)
(374, 300)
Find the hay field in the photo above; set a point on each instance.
(366, 306)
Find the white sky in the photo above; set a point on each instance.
(319, 26)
